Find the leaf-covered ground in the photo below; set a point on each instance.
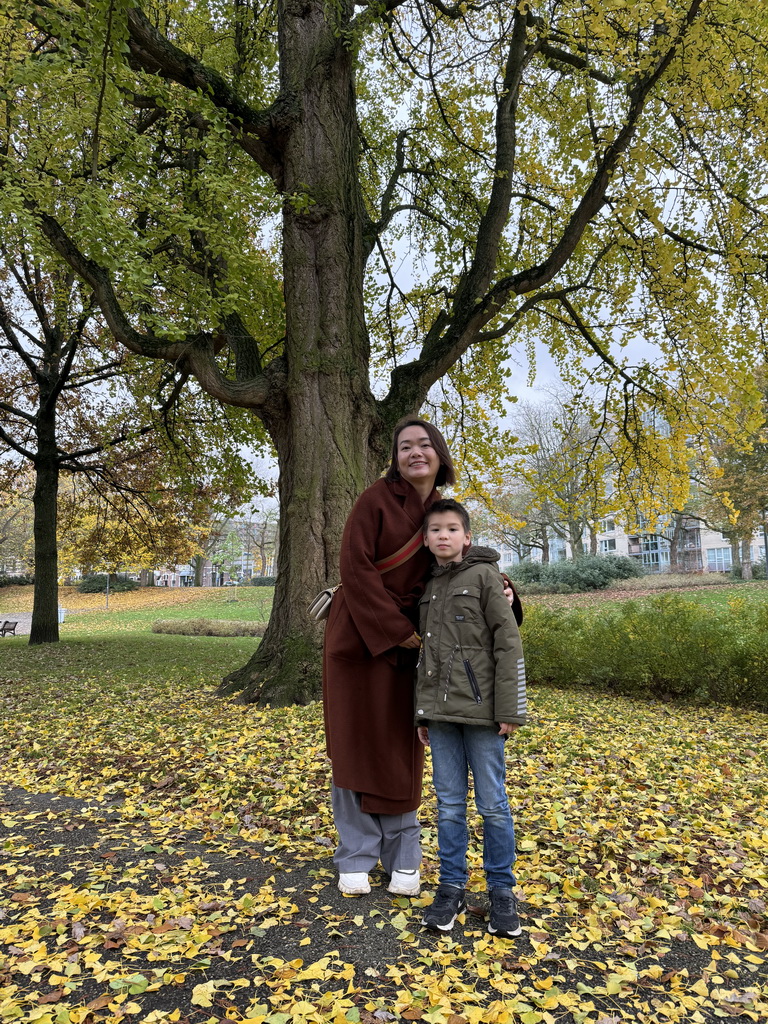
(166, 855)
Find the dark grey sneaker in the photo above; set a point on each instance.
(449, 902)
(504, 920)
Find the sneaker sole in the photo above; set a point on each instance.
(354, 892)
(500, 933)
(402, 891)
(443, 927)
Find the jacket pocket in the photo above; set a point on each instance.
(473, 681)
(465, 605)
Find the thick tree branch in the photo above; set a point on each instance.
(196, 354)
(12, 443)
(476, 304)
(258, 132)
(595, 195)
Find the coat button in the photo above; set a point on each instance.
(434, 597)
(465, 591)
(420, 711)
(429, 673)
(429, 634)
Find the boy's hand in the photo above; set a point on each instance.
(507, 728)
(423, 733)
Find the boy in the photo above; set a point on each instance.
(470, 695)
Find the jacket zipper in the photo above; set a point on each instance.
(457, 647)
(473, 681)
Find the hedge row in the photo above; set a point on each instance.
(208, 627)
(590, 572)
(96, 583)
(16, 581)
(662, 647)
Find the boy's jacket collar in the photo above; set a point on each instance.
(472, 557)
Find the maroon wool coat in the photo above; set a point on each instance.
(367, 679)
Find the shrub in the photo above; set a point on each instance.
(663, 647)
(758, 571)
(622, 567)
(589, 572)
(262, 581)
(209, 627)
(16, 581)
(524, 572)
(96, 583)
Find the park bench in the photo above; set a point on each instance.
(8, 627)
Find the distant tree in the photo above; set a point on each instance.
(558, 472)
(75, 402)
(104, 530)
(16, 518)
(259, 534)
(734, 493)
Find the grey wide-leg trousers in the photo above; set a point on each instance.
(366, 839)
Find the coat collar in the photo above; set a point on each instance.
(412, 504)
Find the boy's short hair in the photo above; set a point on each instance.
(447, 505)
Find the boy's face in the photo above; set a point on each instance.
(445, 536)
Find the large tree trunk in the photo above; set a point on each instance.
(592, 540)
(45, 609)
(198, 561)
(735, 553)
(576, 538)
(676, 557)
(326, 428)
(746, 558)
(544, 546)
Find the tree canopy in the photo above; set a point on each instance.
(323, 210)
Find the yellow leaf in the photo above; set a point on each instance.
(202, 993)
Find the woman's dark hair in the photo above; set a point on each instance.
(446, 474)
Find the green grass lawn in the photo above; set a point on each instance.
(88, 614)
(712, 595)
(121, 658)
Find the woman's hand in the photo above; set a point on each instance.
(423, 734)
(412, 643)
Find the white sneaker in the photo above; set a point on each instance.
(405, 883)
(354, 883)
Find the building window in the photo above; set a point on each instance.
(718, 559)
(608, 526)
(607, 547)
(651, 549)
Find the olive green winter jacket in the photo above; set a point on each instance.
(471, 666)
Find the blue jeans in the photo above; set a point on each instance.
(455, 748)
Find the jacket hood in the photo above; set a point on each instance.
(473, 556)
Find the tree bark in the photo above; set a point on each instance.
(735, 554)
(576, 539)
(746, 558)
(676, 561)
(324, 425)
(544, 546)
(198, 562)
(45, 609)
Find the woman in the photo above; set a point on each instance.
(371, 649)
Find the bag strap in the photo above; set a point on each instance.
(400, 557)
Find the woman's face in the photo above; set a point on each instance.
(417, 460)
